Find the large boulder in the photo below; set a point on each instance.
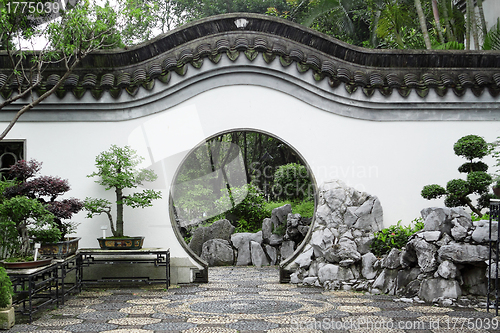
(221, 229)
(321, 240)
(217, 252)
(330, 272)
(482, 232)
(259, 258)
(241, 241)
(423, 252)
(431, 289)
(287, 249)
(463, 253)
(447, 270)
(444, 219)
(344, 249)
(386, 281)
(279, 215)
(367, 270)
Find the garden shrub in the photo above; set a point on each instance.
(396, 236)
(6, 289)
(250, 211)
(292, 181)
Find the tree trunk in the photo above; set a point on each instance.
(119, 213)
(423, 24)
(484, 28)
(449, 31)
(474, 24)
(435, 11)
(467, 24)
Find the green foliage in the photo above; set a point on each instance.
(292, 181)
(396, 236)
(475, 218)
(478, 181)
(6, 289)
(22, 219)
(470, 167)
(304, 207)
(117, 169)
(492, 38)
(433, 191)
(249, 213)
(471, 147)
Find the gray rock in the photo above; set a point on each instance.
(463, 253)
(386, 282)
(241, 241)
(267, 230)
(217, 252)
(460, 216)
(287, 249)
(474, 280)
(493, 270)
(458, 232)
(392, 261)
(370, 215)
(346, 262)
(272, 253)
(447, 270)
(331, 272)
(221, 229)
(313, 268)
(431, 289)
(445, 240)
(321, 240)
(364, 243)
(275, 240)
(437, 219)
(431, 236)
(279, 215)
(367, 270)
(344, 249)
(482, 232)
(405, 279)
(296, 278)
(258, 256)
(304, 259)
(425, 253)
(310, 280)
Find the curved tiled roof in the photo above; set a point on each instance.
(251, 36)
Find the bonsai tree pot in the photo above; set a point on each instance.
(125, 243)
(61, 249)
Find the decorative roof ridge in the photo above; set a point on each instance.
(253, 34)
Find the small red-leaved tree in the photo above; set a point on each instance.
(46, 190)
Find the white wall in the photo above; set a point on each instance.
(491, 12)
(392, 160)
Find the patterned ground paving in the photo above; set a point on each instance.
(249, 299)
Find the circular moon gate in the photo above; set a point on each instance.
(212, 176)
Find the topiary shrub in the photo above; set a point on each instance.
(478, 181)
(6, 289)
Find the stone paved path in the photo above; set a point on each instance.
(249, 299)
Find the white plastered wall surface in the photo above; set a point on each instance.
(392, 160)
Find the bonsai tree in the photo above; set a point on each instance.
(457, 191)
(46, 190)
(117, 169)
(21, 220)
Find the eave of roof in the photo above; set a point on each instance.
(273, 38)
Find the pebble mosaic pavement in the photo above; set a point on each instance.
(250, 300)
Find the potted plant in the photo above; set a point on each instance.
(117, 169)
(22, 220)
(47, 191)
(7, 316)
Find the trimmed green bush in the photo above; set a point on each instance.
(6, 289)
